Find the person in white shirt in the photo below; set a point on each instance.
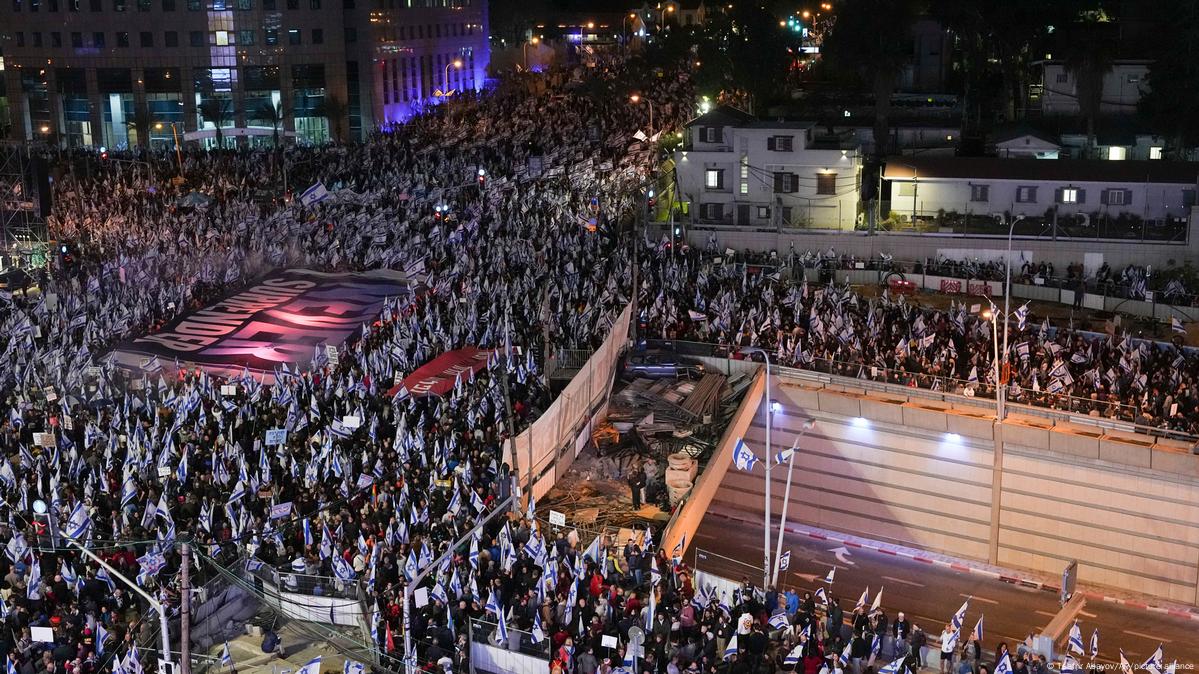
(948, 643)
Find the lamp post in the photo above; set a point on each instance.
(992, 314)
(629, 31)
(766, 518)
(445, 91)
(669, 8)
(524, 49)
(1007, 293)
(778, 550)
(637, 98)
(178, 152)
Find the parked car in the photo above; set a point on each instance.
(654, 364)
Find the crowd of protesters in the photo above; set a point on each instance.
(704, 296)
(508, 253)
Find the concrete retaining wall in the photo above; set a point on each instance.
(923, 473)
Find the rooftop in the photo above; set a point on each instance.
(1059, 170)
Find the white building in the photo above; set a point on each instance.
(1151, 191)
(738, 170)
(1123, 86)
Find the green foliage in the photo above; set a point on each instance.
(1172, 103)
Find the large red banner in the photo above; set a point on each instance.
(436, 377)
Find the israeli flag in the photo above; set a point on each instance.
(785, 561)
(978, 630)
(1154, 663)
(895, 665)
(342, 569)
(313, 666)
(743, 458)
(793, 657)
(779, 621)
(1075, 643)
(731, 649)
(960, 616)
(538, 633)
(226, 656)
(1070, 666)
(352, 667)
(312, 196)
(1095, 644)
(1004, 666)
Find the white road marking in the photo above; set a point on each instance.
(904, 582)
(1147, 636)
(1086, 615)
(1045, 613)
(982, 599)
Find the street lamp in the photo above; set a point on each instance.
(524, 49)
(1007, 293)
(457, 63)
(662, 15)
(769, 422)
(637, 98)
(625, 21)
(992, 314)
(790, 456)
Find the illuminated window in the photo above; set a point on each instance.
(1155, 153)
(714, 179)
(1117, 153)
(222, 38)
(1069, 195)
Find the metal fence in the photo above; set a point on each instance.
(519, 641)
(1094, 225)
(1056, 406)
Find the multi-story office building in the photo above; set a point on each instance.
(116, 73)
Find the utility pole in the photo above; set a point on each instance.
(511, 427)
(185, 600)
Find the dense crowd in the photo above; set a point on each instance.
(579, 605)
(506, 256)
(701, 296)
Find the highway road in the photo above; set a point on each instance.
(930, 594)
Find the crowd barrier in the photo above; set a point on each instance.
(551, 442)
(489, 654)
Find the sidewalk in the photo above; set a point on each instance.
(1026, 578)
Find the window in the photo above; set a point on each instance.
(351, 35)
(98, 40)
(779, 143)
(1117, 153)
(168, 5)
(293, 36)
(77, 40)
(826, 183)
(146, 39)
(785, 183)
(907, 189)
(744, 187)
(122, 38)
(1063, 77)
(171, 38)
(1068, 195)
(37, 39)
(709, 134)
(318, 36)
(1188, 198)
(980, 193)
(786, 215)
(1155, 152)
(711, 211)
(714, 179)
(270, 36)
(55, 39)
(1116, 197)
(245, 37)
(314, 4)
(20, 38)
(245, 5)
(1026, 195)
(763, 212)
(196, 38)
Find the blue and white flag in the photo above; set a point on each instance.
(895, 665)
(352, 667)
(785, 561)
(312, 196)
(793, 657)
(978, 630)
(829, 578)
(960, 616)
(1074, 645)
(1154, 663)
(1070, 666)
(226, 656)
(1004, 666)
(743, 458)
(313, 666)
(1095, 644)
(538, 634)
(731, 649)
(779, 621)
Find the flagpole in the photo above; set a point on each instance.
(778, 551)
(766, 514)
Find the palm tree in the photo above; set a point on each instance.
(1089, 58)
(872, 37)
(141, 124)
(334, 111)
(271, 113)
(217, 111)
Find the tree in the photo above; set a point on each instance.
(757, 52)
(872, 37)
(1088, 58)
(272, 114)
(141, 124)
(218, 112)
(334, 111)
(1171, 105)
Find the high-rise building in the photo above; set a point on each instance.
(118, 73)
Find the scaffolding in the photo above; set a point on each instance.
(24, 237)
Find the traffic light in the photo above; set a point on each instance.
(482, 177)
(651, 199)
